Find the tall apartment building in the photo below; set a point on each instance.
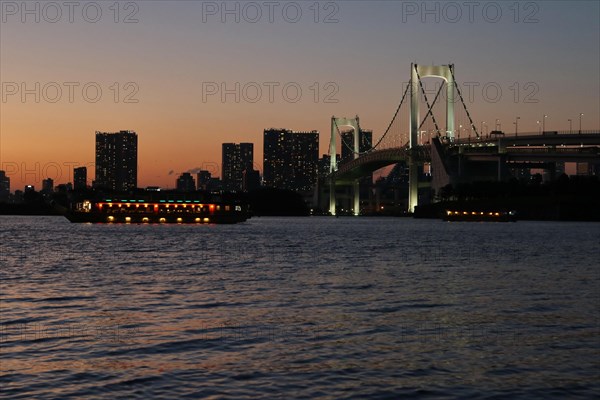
(4, 186)
(290, 159)
(237, 158)
(80, 178)
(48, 186)
(116, 160)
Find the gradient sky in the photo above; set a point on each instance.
(174, 48)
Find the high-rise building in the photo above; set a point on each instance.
(47, 186)
(237, 158)
(215, 185)
(116, 161)
(251, 180)
(80, 178)
(277, 158)
(290, 159)
(4, 186)
(324, 165)
(305, 160)
(203, 179)
(365, 143)
(186, 183)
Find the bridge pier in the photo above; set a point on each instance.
(356, 197)
(413, 186)
(333, 166)
(332, 210)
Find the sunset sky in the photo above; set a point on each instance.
(179, 49)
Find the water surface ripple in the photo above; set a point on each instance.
(315, 308)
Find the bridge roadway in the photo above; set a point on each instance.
(586, 138)
(584, 147)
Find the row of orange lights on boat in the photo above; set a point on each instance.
(211, 206)
(494, 214)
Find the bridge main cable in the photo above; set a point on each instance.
(394, 118)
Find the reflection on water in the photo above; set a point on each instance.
(299, 308)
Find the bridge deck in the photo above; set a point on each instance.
(568, 147)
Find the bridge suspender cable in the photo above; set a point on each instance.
(429, 112)
(462, 100)
(374, 147)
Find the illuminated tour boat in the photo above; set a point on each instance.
(157, 212)
(497, 216)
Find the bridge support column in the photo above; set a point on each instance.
(333, 165)
(356, 196)
(332, 196)
(416, 73)
(413, 186)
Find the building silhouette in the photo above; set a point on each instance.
(251, 180)
(185, 183)
(47, 186)
(80, 178)
(237, 158)
(290, 159)
(116, 161)
(215, 185)
(203, 179)
(4, 186)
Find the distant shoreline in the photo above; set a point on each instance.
(558, 213)
(28, 210)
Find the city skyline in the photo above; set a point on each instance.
(170, 88)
